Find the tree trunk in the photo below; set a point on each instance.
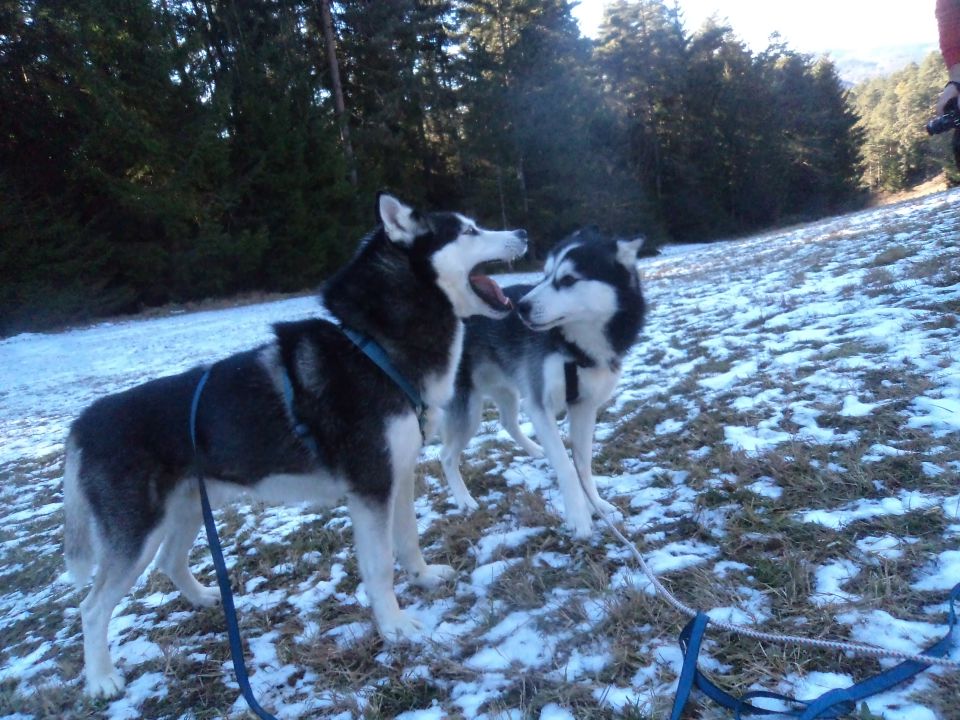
(508, 89)
(327, 23)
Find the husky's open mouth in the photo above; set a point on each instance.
(486, 289)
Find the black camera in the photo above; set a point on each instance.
(948, 121)
(945, 122)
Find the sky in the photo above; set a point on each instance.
(813, 26)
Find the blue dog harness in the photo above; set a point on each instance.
(376, 354)
(369, 347)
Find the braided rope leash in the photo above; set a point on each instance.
(856, 648)
(831, 704)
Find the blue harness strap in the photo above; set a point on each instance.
(194, 405)
(369, 347)
(300, 428)
(831, 704)
(223, 579)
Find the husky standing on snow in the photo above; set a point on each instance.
(306, 418)
(561, 350)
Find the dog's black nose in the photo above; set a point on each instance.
(523, 307)
(522, 234)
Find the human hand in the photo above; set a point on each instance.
(950, 92)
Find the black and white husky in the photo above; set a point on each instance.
(561, 350)
(130, 487)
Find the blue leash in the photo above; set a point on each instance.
(380, 358)
(226, 594)
(831, 704)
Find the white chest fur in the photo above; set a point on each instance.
(598, 383)
(438, 387)
(595, 385)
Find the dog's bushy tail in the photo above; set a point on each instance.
(78, 547)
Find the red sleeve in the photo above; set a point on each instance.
(948, 19)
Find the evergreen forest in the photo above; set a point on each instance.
(159, 151)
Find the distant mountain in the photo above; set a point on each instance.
(855, 66)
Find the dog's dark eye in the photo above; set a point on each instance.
(471, 231)
(566, 281)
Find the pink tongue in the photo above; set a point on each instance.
(490, 289)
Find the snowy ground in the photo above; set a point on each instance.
(783, 445)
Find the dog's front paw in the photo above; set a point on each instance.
(433, 575)
(107, 685)
(401, 626)
(582, 527)
(205, 596)
(608, 508)
(467, 503)
(534, 450)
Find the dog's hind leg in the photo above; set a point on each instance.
(115, 576)
(508, 406)
(460, 423)
(183, 520)
(583, 420)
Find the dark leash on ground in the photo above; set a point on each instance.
(379, 357)
(833, 703)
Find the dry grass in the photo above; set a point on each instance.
(892, 255)
(763, 533)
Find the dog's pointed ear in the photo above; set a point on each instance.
(627, 251)
(401, 222)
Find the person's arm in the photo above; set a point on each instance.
(948, 20)
(951, 90)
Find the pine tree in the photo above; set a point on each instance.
(896, 150)
(543, 151)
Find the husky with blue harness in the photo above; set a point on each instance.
(327, 410)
